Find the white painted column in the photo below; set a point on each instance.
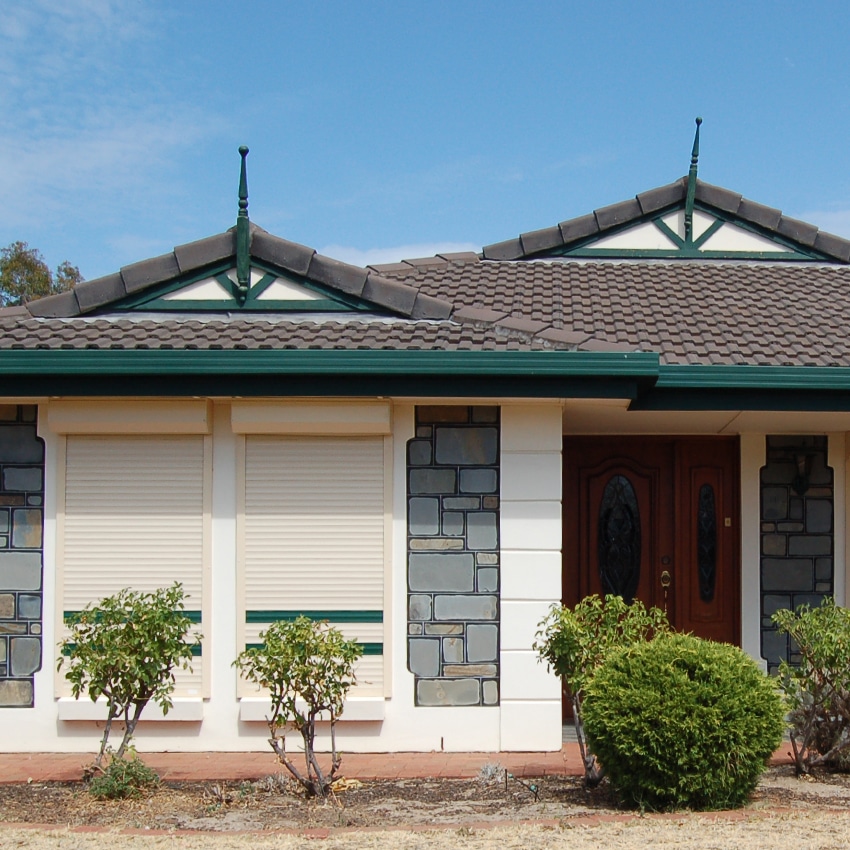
(837, 459)
(530, 573)
(752, 460)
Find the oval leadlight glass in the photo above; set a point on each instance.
(619, 538)
(706, 542)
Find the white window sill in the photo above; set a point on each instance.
(185, 709)
(255, 709)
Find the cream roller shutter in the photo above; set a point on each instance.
(313, 540)
(314, 524)
(134, 517)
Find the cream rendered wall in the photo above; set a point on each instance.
(752, 460)
(530, 573)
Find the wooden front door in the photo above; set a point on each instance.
(657, 519)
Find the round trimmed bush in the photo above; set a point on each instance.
(681, 722)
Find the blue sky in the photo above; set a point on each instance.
(387, 129)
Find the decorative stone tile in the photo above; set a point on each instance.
(19, 444)
(491, 692)
(774, 503)
(7, 628)
(774, 544)
(26, 529)
(453, 650)
(478, 481)
(423, 516)
(443, 628)
(452, 524)
(485, 414)
(457, 607)
(461, 503)
(433, 481)
(20, 570)
(482, 643)
(424, 656)
(818, 516)
(419, 607)
(482, 530)
(809, 544)
(488, 580)
(34, 500)
(424, 431)
(2, 650)
(466, 446)
(24, 655)
(787, 574)
(469, 670)
(4, 520)
(16, 693)
(823, 569)
(35, 628)
(4, 541)
(7, 606)
(29, 607)
(435, 544)
(419, 452)
(414, 628)
(490, 503)
(22, 478)
(440, 572)
(448, 692)
(488, 558)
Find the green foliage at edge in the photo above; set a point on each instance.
(818, 688)
(681, 722)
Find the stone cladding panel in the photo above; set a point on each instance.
(21, 532)
(453, 556)
(797, 557)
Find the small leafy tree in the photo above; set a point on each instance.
(127, 648)
(308, 668)
(574, 643)
(24, 276)
(818, 688)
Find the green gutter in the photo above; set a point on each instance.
(831, 378)
(318, 362)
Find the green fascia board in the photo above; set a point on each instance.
(289, 373)
(830, 378)
(763, 388)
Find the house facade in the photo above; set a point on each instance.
(651, 400)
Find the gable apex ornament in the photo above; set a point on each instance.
(692, 187)
(243, 234)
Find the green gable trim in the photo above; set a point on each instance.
(154, 299)
(685, 250)
(331, 616)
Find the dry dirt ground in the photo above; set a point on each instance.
(784, 812)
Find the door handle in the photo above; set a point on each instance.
(666, 579)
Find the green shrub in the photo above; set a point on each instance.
(681, 722)
(818, 688)
(574, 643)
(126, 648)
(308, 668)
(123, 778)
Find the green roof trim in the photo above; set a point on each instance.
(336, 372)
(154, 299)
(755, 377)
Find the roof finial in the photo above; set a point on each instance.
(692, 187)
(243, 234)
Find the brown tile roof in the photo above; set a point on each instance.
(256, 332)
(689, 312)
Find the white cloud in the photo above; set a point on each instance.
(376, 256)
(836, 221)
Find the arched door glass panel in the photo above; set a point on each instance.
(619, 538)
